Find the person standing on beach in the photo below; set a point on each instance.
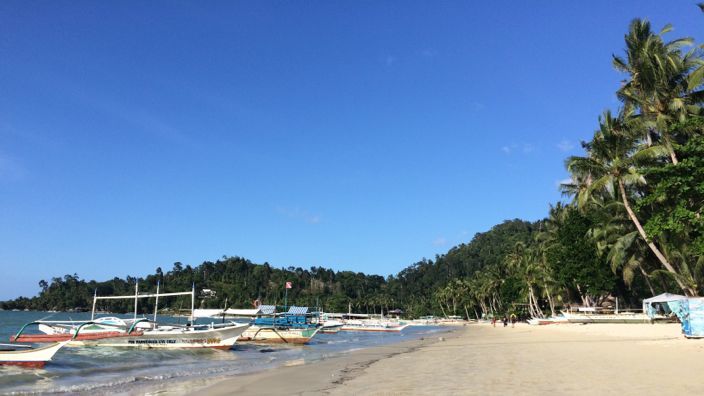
(505, 320)
(493, 321)
(513, 320)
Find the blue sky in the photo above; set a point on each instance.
(352, 135)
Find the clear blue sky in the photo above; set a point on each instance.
(352, 135)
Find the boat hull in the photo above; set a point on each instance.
(42, 338)
(35, 358)
(175, 338)
(382, 329)
(267, 335)
(623, 319)
(331, 329)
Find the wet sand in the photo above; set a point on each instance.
(568, 359)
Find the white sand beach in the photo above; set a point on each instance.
(480, 359)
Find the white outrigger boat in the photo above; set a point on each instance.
(137, 332)
(366, 322)
(271, 327)
(599, 317)
(27, 356)
(373, 325)
(331, 326)
(547, 321)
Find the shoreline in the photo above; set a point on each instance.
(317, 377)
(479, 359)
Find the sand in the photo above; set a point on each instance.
(566, 359)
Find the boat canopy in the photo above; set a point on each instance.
(214, 313)
(662, 300)
(262, 310)
(267, 309)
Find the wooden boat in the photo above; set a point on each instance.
(141, 333)
(590, 315)
(331, 326)
(372, 325)
(547, 321)
(26, 356)
(279, 335)
(57, 331)
(213, 336)
(424, 321)
(294, 327)
(452, 321)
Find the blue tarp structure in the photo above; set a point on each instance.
(692, 317)
(661, 304)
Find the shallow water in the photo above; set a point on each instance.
(113, 370)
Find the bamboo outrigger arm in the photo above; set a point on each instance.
(272, 329)
(24, 327)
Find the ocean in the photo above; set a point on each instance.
(104, 370)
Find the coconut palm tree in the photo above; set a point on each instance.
(662, 80)
(612, 164)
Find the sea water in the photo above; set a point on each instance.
(125, 370)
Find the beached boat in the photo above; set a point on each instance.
(57, 331)
(424, 321)
(295, 326)
(279, 335)
(213, 336)
(372, 325)
(137, 332)
(547, 321)
(452, 321)
(590, 315)
(27, 356)
(331, 326)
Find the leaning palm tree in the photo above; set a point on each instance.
(612, 164)
(614, 235)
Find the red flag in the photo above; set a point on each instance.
(289, 285)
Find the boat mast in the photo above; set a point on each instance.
(156, 303)
(136, 297)
(92, 313)
(193, 301)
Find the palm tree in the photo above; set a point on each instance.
(524, 263)
(611, 165)
(662, 80)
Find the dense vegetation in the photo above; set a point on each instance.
(633, 226)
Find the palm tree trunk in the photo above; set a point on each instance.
(673, 156)
(651, 244)
(552, 304)
(647, 279)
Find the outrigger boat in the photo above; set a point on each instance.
(138, 332)
(27, 356)
(270, 327)
(547, 321)
(364, 322)
(373, 325)
(331, 326)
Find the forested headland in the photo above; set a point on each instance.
(631, 225)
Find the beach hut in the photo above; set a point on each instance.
(667, 302)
